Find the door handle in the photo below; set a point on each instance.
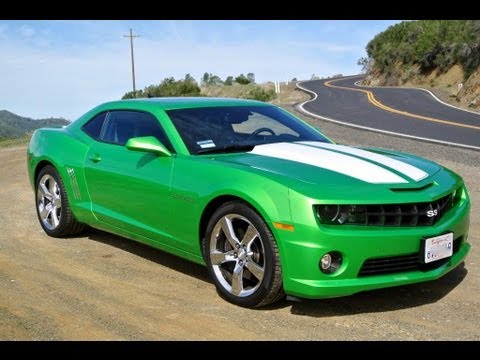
(95, 158)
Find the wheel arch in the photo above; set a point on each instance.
(208, 211)
(269, 288)
(66, 223)
(219, 200)
(39, 167)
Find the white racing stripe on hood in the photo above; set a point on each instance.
(404, 168)
(340, 163)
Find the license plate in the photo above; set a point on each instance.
(438, 247)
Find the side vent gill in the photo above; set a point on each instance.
(73, 183)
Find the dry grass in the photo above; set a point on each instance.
(289, 94)
(4, 143)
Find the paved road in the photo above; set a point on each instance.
(409, 112)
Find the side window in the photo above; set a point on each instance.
(123, 125)
(93, 128)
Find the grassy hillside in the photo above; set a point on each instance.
(15, 126)
(438, 54)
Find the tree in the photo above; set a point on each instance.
(364, 63)
(294, 79)
(205, 78)
(228, 81)
(314, 77)
(210, 79)
(168, 87)
(242, 79)
(214, 80)
(132, 95)
(251, 78)
(189, 79)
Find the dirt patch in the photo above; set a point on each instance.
(100, 286)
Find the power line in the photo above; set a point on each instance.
(131, 36)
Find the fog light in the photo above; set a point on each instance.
(326, 262)
(330, 262)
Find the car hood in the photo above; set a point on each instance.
(320, 163)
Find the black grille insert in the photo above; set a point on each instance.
(402, 263)
(410, 214)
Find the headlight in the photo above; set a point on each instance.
(341, 214)
(327, 214)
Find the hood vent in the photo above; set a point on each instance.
(412, 188)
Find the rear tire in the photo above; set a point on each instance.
(242, 256)
(53, 208)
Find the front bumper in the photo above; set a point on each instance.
(302, 249)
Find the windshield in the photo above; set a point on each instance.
(238, 127)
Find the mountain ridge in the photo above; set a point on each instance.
(13, 125)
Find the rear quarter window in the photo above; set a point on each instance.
(93, 128)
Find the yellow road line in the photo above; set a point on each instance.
(375, 102)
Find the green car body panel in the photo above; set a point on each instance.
(165, 200)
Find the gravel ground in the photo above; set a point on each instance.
(100, 286)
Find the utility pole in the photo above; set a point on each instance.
(131, 36)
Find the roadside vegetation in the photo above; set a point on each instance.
(442, 55)
(428, 43)
(188, 86)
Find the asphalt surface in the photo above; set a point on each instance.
(341, 100)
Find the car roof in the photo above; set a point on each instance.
(168, 103)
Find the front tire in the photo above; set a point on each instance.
(53, 208)
(242, 256)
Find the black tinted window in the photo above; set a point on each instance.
(94, 127)
(123, 125)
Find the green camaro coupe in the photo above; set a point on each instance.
(268, 203)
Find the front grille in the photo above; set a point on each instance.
(412, 214)
(402, 263)
(403, 214)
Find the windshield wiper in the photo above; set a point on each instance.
(226, 149)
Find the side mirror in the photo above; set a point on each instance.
(147, 144)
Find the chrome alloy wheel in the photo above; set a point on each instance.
(49, 202)
(237, 255)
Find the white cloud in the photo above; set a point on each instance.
(26, 31)
(3, 31)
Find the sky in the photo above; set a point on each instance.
(64, 68)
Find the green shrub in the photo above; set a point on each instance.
(168, 87)
(242, 79)
(257, 93)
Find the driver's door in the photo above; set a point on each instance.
(129, 189)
